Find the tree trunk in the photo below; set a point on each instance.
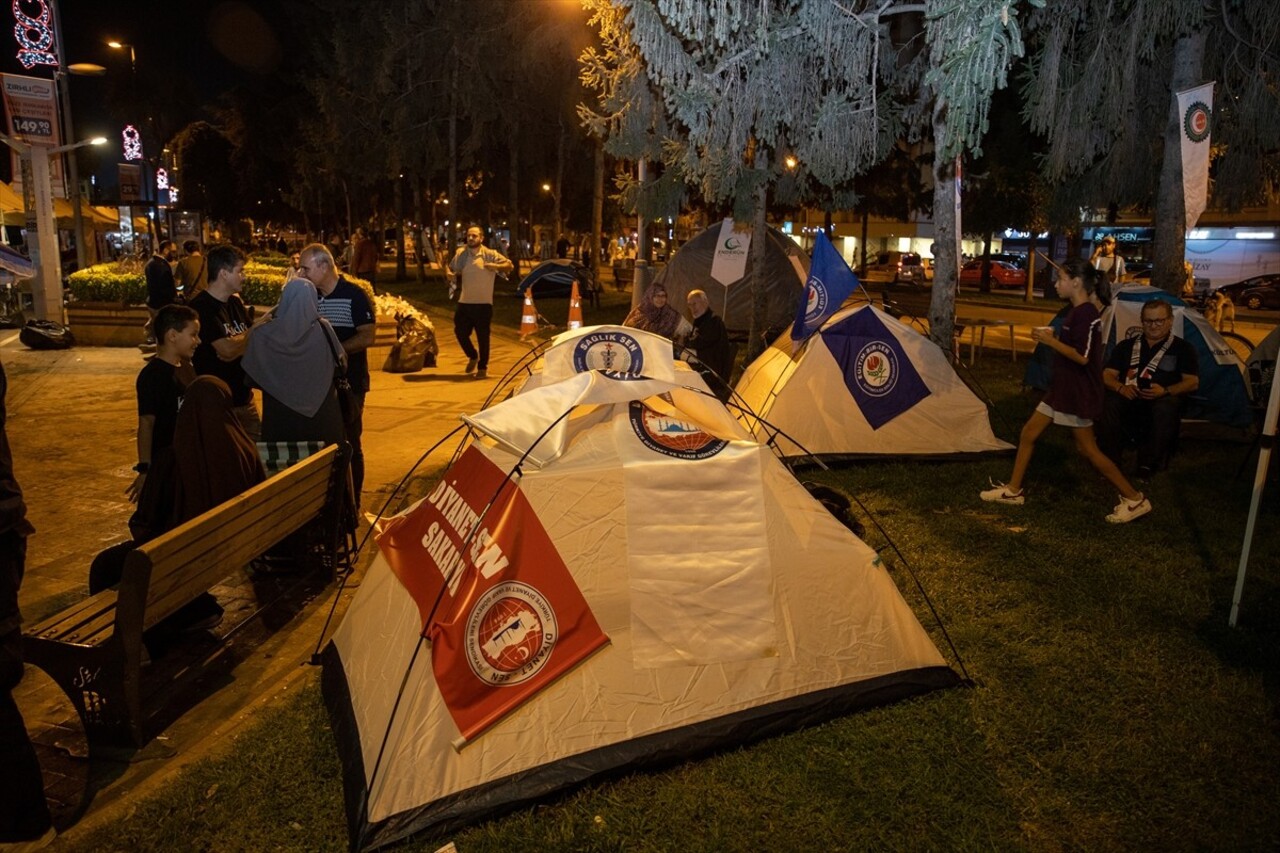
(1170, 248)
(597, 211)
(419, 255)
(455, 199)
(558, 215)
(1031, 265)
(984, 284)
(759, 289)
(515, 250)
(401, 270)
(862, 244)
(946, 230)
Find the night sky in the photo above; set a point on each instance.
(206, 46)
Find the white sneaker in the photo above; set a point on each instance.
(1126, 511)
(999, 493)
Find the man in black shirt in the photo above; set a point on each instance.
(710, 342)
(161, 384)
(1145, 378)
(224, 332)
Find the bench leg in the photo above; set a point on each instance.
(95, 682)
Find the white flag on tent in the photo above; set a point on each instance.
(1195, 114)
(729, 263)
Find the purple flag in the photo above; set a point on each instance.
(829, 284)
(877, 371)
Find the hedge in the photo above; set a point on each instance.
(124, 282)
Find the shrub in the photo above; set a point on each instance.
(121, 282)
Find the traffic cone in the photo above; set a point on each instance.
(529, 316)
(575, 308)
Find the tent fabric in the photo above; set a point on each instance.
(555, 278)
(786, 268)
(812, 400)
(824, 630)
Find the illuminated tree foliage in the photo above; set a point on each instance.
(1101, 86)
(743, 83)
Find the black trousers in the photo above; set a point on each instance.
(24, 814)
(1150, 424)
(473, 317)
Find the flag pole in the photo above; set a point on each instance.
(1267, 441)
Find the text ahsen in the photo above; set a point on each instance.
(485, 554)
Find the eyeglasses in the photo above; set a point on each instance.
(1158, 322)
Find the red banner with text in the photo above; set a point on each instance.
(498, 604)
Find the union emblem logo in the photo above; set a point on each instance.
(1196, 123)
(671, 436)
(613, 351)
(510, 634)
(815, 299)
(876, 369)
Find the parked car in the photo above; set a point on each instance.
(1002, 274)
(1260, 291)
(896, 267)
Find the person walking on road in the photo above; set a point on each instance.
(474, 268)
(364, 258)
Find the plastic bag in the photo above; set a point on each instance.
(414, 349)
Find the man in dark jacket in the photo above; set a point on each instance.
(710, 342)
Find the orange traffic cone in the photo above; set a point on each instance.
(575, 308)
(529, 316)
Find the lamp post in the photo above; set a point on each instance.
(133, 57)
(42, 234)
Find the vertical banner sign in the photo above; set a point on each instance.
(1195, 120)
(498, 604)
(130, 181)
(32, 107)
(729, 263)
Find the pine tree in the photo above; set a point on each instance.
(1102, 83)
(727, 89)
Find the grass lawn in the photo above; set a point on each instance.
(1112, 708)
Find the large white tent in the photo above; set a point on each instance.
(723, 604)
(864, 384)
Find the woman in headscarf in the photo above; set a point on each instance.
(653, 314)
(292, 358)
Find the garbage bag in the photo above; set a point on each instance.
(414, 349)
(46, 334)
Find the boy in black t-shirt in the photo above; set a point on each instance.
(160, 386)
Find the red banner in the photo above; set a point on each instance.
(511, 619)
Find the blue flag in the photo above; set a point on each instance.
(829, 285)
(877, 371)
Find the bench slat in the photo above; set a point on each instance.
(86, 623)
(174, 589)
(164, 574)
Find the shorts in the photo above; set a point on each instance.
(1062, 418)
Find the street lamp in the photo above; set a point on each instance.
(42, 234)
(133, 57)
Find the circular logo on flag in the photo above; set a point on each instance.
(1196, 123)
(1132, 332)
(613, 351)
(876, 369)
(731, 244)
(815, 299)
(510, 634)
(672, 437)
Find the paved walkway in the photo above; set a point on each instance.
(71, 422)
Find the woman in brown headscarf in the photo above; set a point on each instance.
(653, 314)
(216, 459)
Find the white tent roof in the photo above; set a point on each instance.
(809, 399)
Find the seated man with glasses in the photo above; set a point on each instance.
(1145, 377)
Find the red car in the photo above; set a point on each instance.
(1002, 274)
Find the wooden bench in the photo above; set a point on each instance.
(912, 307)
(93, 650)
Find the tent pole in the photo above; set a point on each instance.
(1259, 480)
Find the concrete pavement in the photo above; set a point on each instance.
(71, 423)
